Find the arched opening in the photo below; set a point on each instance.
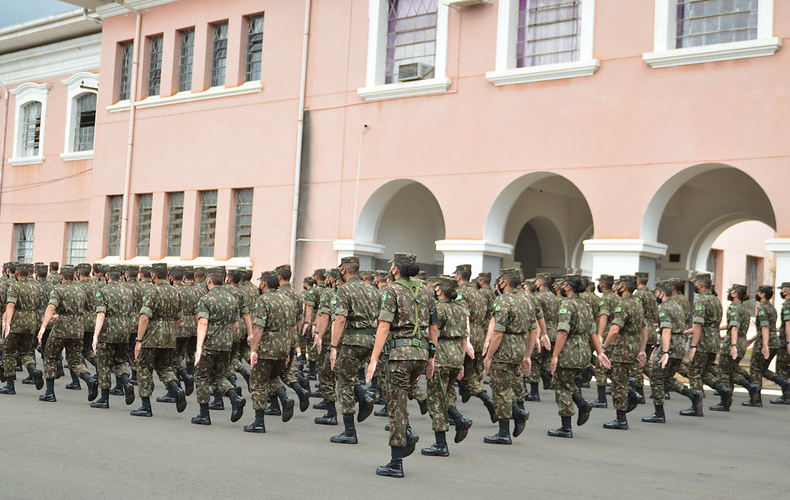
(545, 217)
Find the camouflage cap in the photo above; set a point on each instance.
(446, 282)
(24, 266)
(282, 269)
(463, 268)
(485, 276)
(351, 259)
(216, 270)
(422, 275)
(267, 274)
(382, 274)
(200, 270)
(765, 289)
(132, 269)
(606, 277)
(83, 265)
(97, 267)
(404, 258)
(67, 269)
(664, 285)
(739, 288)
(642, 274)
(320, 270)
(510, 271)
(627, 278)
(115, 269)
(676, 282)
(704, 278)
(40, 266)
(145, 269)
(158, 266)
(54, 263)
(540, 276)
(786, 284)
(334, 273)
(189, 268)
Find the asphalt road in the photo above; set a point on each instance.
(67, 450)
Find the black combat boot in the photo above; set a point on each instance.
(501, 437)
(633, 400)
(104, 401)
(726, 398)
(144, 410)
(784, 399)
(273, 409)
(237, 404)
(93, 386)
(128, 389)
(565, 431)
(49, 395)
(75, 382)
(330, 417)
(640, 391)
(423, 404)
(9, 387)
(118, 389)
(232, 380)
(520, 417)
(304, 382)
(620, 423)
(133, 380)
(462, 424)
(167, 397)
(464, 392)
(29, 380)
(287, 403)
(696, 403)
(439, 448)
(257, 425)
(666, 396)
(383, 412)
(411, 441)
(189, 381)
(361, 376)
(303, 395)
(181, 398)
(245, 373)
(321, 405)
(533, 395)
(657, 417)
(349, 434)
(311, 371)
(489, 404)
(204, 417)
(365, 402)
(601, 401)
(317, 394)
(395, 467)
(584, 407)
(218, 404)
(546, 378)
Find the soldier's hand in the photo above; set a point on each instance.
(332, 358)
(485, 348)
(546, 342)
(198, 354)
(137, 346)
(95, 344)
(664, 360)
(766, 353)
(317, 344)
(40, 335)
(734, 352)
(554, 361)
(470, 350)
(253, 358)
(603, 359)
(641, 359)
(526, 366)
(430, 369)
(538, 346)
(788, 349)
(460, 374)
(487, 365)
(691, 355)
(371, 370)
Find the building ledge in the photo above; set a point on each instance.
(28, 160)
(713, 53)
(77, 155)
(475, 246)
(405, 89)
(182, 97)
(543, 73)
(620, 246)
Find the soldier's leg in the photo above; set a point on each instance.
(327, 380)
(164, 366)
(221, 361)
(768, 374)
(52, 356)
(105, 353)
(619, 375)
(120, 359)
(564, 386)
(437, 399)
(727, 369)
(145, 371)
(203, 380)
(260, 378)
(346, 366)
(399, 385)
(502, 387)
(658, 382)
(11, 351)
(695, 369)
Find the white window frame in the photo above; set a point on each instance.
(25, 93)
(73, 91)
(506, 72)
(375, 89)
(666, 55)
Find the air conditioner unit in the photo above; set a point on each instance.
(413, 71)
(457, 4)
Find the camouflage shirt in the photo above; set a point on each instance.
(220, 307)
(44, 287)
(311, 297)
(295, 312)
(162, 304)
(514, 316)
(70, 303)
(26, 297)
(53, 279)
(409, 308)
(628, 316)
(592, 300)
(90, 286)
(452, 330)
(475, 303)
(272, 313)
(766, 318)
(684, 303)
(575, 317)
(325, 307)
(489, 296)
(137, 295)
(737, 316)
(358, 302)
(707, 312)
(670, 315)
(647, 300)
(117, 303)
(606, 306)
(550, 305)
(241, 310)
(784, 318)
(189, 298)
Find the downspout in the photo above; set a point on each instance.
(300, 134)
(130, 140)
(3, 140)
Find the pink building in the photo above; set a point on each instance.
(607, 137)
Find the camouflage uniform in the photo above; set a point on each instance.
(251, 292)
(477, 305)
(448, 362)
(90, 286)
(737, 316)
(327, 380)
(186, 336)
(670, 315)
(606, 307)
(162, 305)
(272, 314)
(67, 332)
(288, 376)
(574, 317)
(117, 303)
(219, 307)
(782, 356)
(766, 318)
(242, 307)
(647, 300)
(707, 313)
(26, 296)
(624, 348)
(549, 307)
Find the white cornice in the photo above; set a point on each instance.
(484, 247)
(543, 73)
(55, 59)
(713, 53)
(355, 247)
(779, 245)
(113, 9)
(621, 246)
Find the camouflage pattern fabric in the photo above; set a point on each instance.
(550, 305)
(273, 312)
(702, 369)
(782, 356)
(564, 381)
(26, 297)
(265, 381)
(402, 376)
(154, 359)
(220, 308)
(52, 355)
(113, 359)
(350, 359)
(409, 308)
(70, 301)
(327, 380)
(441, 396)
(162, 305)
(116, 301)
(669, 315)
(758, 366)
(212, 371)
(738, 317)
(504, 377)
(624, 349)
(575, 318)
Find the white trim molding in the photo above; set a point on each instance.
(25, 93)
(188, 96)
(506, 72)
(375, 89)
(475, 246)
(73, 91)
(78, 155)
(778, 245)
(482, 255)
(55, 59)
(355, 247)
(114, 9)
(620, 246)
(666, 55)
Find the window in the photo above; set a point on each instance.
(541, 40)
(408, 49)
(208, 223)
(125, 70)
(154, 64)
(23, 242)
(243, 225)
(185, 60)
(144, 202)
(219, 54)
(175, 221)
(85, 122)
(252, 67)
(31, 129)
(81, 95)
(77, 242)
(114, 225)
(30, 106)
(698, 31)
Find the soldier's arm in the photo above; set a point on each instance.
(202, 329)
(614, 331)
(48, 313)
(559, 344)
(7, 317)
(603, 319)
(99, 324)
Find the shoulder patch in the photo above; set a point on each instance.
(498, 307)
(98, 294)
(563, 311)
(699, 307)
(761, 313)
(662, 314)
(384, 297)
(602, 303)
(618, 309)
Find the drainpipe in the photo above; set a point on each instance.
(3, 133)
(130, 139)
(300, 134)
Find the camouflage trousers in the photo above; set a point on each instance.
(564, 381)
(185, 352)
(758, 368)
(327, 379)
(473, 374)
(730, 373)
(783, 363)
(113, 359)
(288, 375)
(87, 345)
(211, 371)
(703, 369)
(154, 358)
(638, 374)
(441, 396)
(402, 376)
(350, 359)
(265, 381)
(601, 373)
(504, 377)
(18, 344)
(663, 380)
(52, 353)
(619, 375)
(381, 375)
(541, 362)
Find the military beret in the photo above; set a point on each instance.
(786, 284)
(703, 278)
(463, 268)
(642, 274)
(282, 269)
(404, 258)
(446, 282)
(132, 269)
(351, 259)
(765, 289)
(510, 271)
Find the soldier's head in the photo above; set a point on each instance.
(785, 290)
(663, 291)
(84, 272)
(23, 270)
(283, 273)
(764, 293)
(319, 275)
(530, 286)
(214, 279)
(625, 285)
(177, 273)
(509, 279)
(702, 282)
(189, 275)
(54, 266)
(269, 281)
(158, 271)
(570, 285)
(605, 283)
(543, 281)
(67, 273)
(349, 267)
(484, 280)
(642, 278)
(445, 288)
(463, 272)
(308, 283)
(738, 293)
(585, 283)
(113, 274)
(404, 266)
(10, 268)
(41, 271)
(234, 277)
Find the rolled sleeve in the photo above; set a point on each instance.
(619, 317)
(699, 314)
(146, 311)
(389, 306)
(564, 319)
(763, 321)
(54, 298)
(341, 303)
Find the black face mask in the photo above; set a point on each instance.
(619, 293)
(436, 295)
(599, 289)
(392, 277)
(696, 289)
(659, 300)
(563, 293)
(784, 295)
(756, 297)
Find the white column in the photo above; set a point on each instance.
(365, 250)
(621, 256)
(483, 256)
(781, 249)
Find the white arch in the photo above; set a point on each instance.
(700, 248)
(367, 224)
(496, 221)
(578, 249)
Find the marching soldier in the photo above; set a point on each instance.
(765, 346)
(19, 327)
(783, 354)
(606, 306)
